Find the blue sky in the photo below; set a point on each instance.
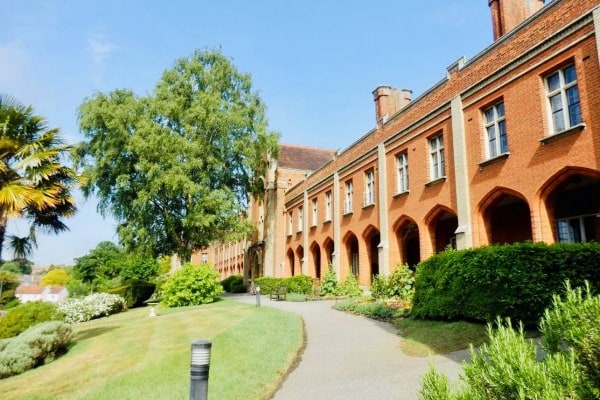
(314, 63)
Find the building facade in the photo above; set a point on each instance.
(505, 148)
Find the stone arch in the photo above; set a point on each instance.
(290, 264)
(351, 249)
(372, 240)
(300, 259)
(442, 222)
(570, 200)
(506, 216)
(329, 247)
(406, 231)
(315, 261)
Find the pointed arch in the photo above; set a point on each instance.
(570, 204)
(442, 223)
(506, 216)
(406, 231)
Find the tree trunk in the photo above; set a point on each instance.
(3, 222)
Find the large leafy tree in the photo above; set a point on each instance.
(175, 167)
(35, 182)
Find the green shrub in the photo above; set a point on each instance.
(379, 287)
(371, 309)
(400, 284)
(23, 316)
(349, 287)
(93, 306)
(268, 284)
(38, 345)
(508, 367)
(135, 293)
(299, 284)
(515, 281)
(329, 283)
(572, 324)
(191, 285)
(234, 284)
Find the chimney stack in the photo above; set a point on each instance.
(507, 14)
(389, 100)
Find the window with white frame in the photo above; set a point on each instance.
(348, 195)
(576, 229)
(204, 258)
(300, 219)
(328, 206)
(402, 173)
(315, 218)
(436, 157)
(291, 223)
(495, 130)
(563, 98)
(369, 197)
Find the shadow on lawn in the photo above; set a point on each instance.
(93, 332)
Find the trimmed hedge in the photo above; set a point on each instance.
(234, 284)
(515, 281)
(135, 292)
(296, 284)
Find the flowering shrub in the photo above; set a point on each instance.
(93, 306)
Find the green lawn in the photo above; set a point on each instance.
(133, 356)
(423, 337)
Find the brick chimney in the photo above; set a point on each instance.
(389, 100)
(507, 14)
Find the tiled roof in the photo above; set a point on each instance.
(303, 157)
(37, 289)
(29, 289)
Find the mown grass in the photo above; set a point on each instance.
(418, 337)
(132, 356)
(423, 337)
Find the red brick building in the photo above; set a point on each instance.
(505, 148)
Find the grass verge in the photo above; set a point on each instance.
(423, 338)
(132, 356)
(418, 337)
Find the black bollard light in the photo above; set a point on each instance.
(199, 366)
(258, 296)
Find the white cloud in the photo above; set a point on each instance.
(100, 49)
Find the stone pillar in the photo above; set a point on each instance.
(464, 233)
(305, 232)
(597, 29)
(384, 243)
(336, 217)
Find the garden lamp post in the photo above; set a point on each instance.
(199, 366)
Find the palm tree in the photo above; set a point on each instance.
(34, 183)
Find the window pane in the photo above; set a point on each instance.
(573, 102)
(503, 140)
(489, 115)
(491, 130)
(500, 110)
(570, 74)
(553, 82)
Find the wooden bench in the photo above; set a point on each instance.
(279, 294)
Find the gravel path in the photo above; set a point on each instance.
(350, 357)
